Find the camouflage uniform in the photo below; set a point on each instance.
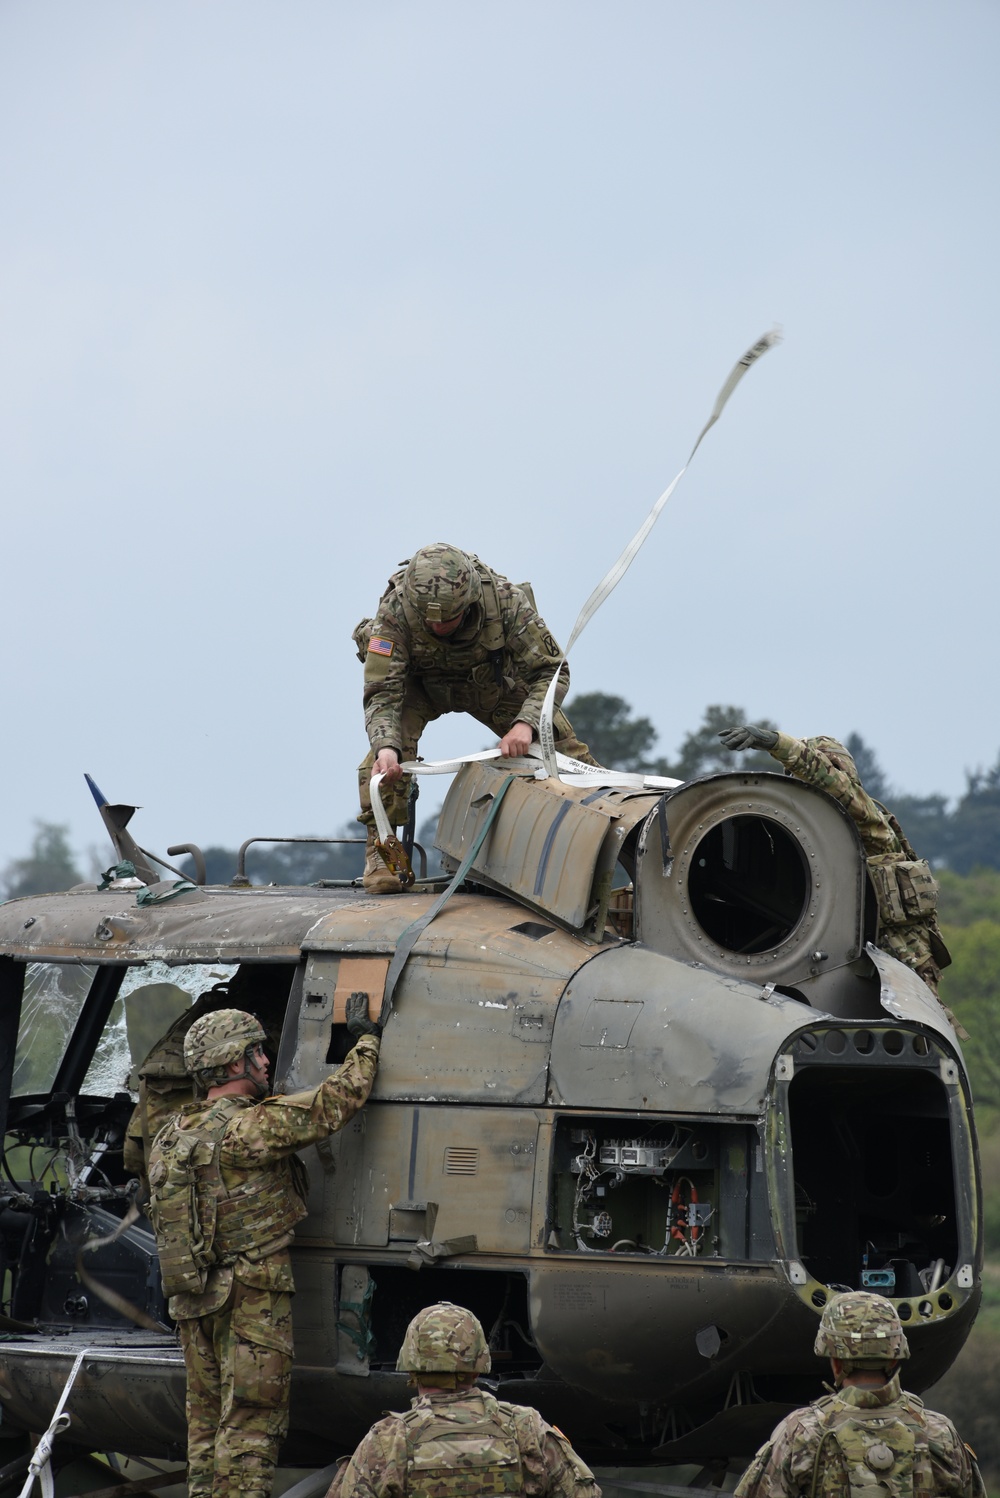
(439, 1448)
(236, 1332)
(865, 1440)
(457, 1441)
(496, 666)
(941, 1464)
(904, 887)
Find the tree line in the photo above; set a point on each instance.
(961, 838)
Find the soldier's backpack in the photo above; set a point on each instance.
(883, 1454)
(183, 1213)
(449, 1459)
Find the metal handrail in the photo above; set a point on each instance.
(240, 878)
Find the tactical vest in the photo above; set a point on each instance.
(428, 653)
(448, 1459)
(884, 1451)
(906, 891)
(199, 1221)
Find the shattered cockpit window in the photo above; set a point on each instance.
(151, 998)
(53, 997)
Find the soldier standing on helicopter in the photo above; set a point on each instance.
(870, 1436)
(457, 1441)
(226, 1192)
(450, 636)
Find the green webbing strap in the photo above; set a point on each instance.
(408, 938)
(361, 1335)
(819, 1452)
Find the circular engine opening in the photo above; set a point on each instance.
(748, 884)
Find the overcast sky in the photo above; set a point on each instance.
(288, 290)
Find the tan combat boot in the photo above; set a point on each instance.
(377, 879)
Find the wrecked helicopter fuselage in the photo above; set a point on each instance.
(649, 1091)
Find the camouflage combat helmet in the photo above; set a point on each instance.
(837, 752)
(218, 1038)
(441, 582)
(444, 1339)
(860, 1327)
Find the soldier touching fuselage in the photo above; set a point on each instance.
(457, 1441)
(869, 1439)
(227, 1190)
(450, 635)
(905, 889)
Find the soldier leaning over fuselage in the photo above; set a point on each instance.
(904, 886)
(226, 1192)
(450, 636)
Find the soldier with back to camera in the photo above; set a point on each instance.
(868, 1439)
(904, 886)
(226, 1192)
(450, 636)
(457, 1441)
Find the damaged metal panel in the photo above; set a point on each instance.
(410, 1174)
(643, 1031)
(474, 1008)
(906, 997)
(544, 846)
(197, 926)
(128, 1396)
(598, 1321)
(768, 883)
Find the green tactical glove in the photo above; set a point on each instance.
(358, 1022)
(748, 737)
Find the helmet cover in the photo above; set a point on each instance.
(858, 1325)
(444, 1339)
(441, 582)
(218, 1038)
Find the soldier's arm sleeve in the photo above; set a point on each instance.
(387, 664)
(133, 1153)
(535, 655)
(281, 1125)
(977, 1488)
(374, 1471)
(550, 1466)
(783, 1466)
(814, 768)
(956, 1471)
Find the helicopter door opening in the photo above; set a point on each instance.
(499, 1300)
(875, 1199)
(87, 1037)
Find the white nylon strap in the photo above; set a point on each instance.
(569, 771)
(548, 761)
(614, 576)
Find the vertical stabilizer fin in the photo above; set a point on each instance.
(116, 820)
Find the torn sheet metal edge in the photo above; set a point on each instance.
(906, 996)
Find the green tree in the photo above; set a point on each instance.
(702, 754)
(974, 831)
(927, 824)
(615, 739)
(971, 897)
(871, 772)
(971, 987)
(48, 867)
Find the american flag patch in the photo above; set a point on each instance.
(379, 647)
